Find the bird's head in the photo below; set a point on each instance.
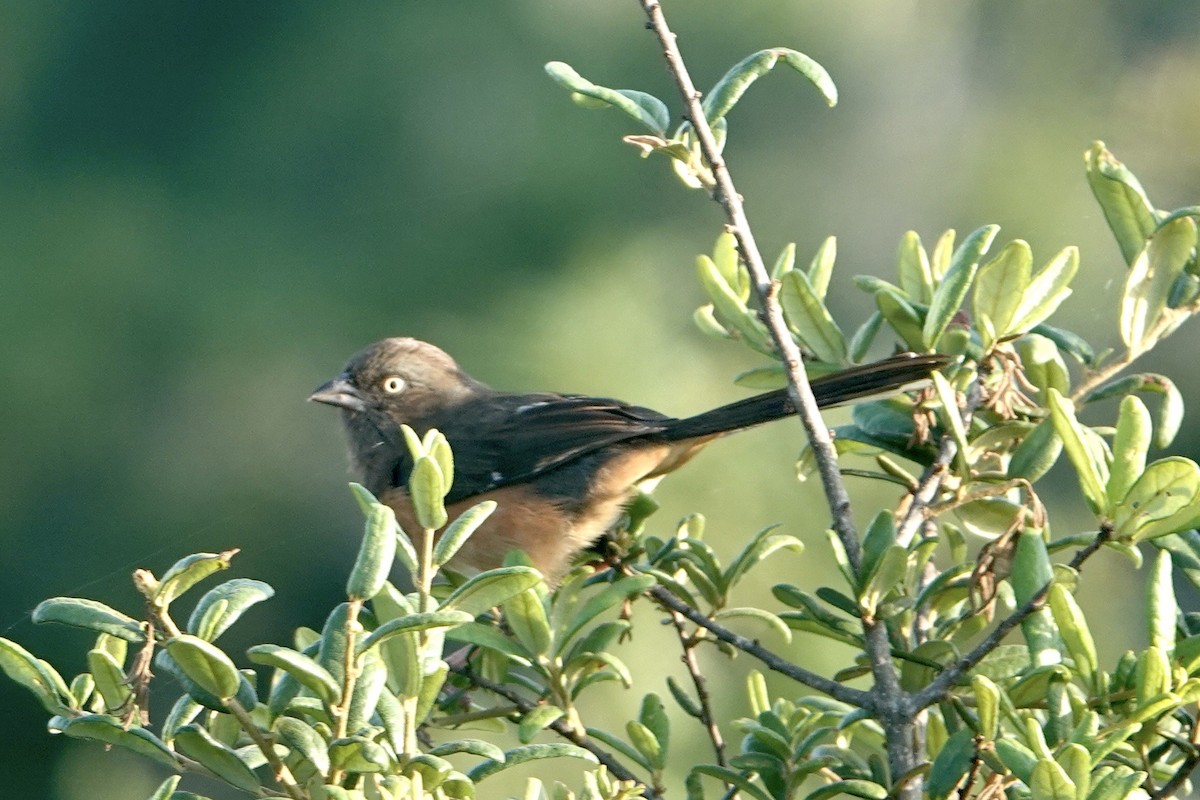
(392, 382)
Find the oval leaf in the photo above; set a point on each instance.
(375, 555)
(235, 596)
(304, 669)
(90, 614)
(491, 588)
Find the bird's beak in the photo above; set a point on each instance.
(339, 392)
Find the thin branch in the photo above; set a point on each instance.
(1185, 770)
(688, 643)
(940, 686)
(889, 702)
(282, 774)
(838, 691)
(931, 482)
(726, 194)
(560, 727)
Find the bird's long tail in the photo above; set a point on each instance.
(887, 376)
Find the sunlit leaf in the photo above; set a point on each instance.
(730, 88)
(645, 108)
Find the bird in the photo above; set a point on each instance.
(561, 467)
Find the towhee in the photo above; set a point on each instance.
(560, 467)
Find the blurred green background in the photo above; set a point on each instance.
(206, 207)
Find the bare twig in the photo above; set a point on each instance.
(940, 686)
(726, 194)
(282, 774)
(889, 702)
(688, 644)
(931, 482)
(838, 691)
(559, 726)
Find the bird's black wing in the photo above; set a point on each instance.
(502, 439)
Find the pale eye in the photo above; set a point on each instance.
(393, 384)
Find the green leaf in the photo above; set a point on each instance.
(705, 319)
(771, 621)
(734, 83)
(245, 694)
(955, 284)
(729, 264)
(1043, 363)
(110, 730)
(430, 687)
(903, 318)
(303, 739)
(1165, 499)
(491, 588)
(1073, 627)
(951, 415)
(1129, 448)
(331, 653)
(870, 790)
(438, 448)
(1149, 282)
(987, 705)
(196, 743)
(368, 686)
(951, 764)
(1117, 785)
(188, 571)
(916, 279)
(538, 719)
(1049, 288)
(604, 599)
(90, 615)
(358, 755)
(1016, 756)
(1122, 199)
(653, 715)
(861, 342)
(731, 307)
(166, 789)
(457, 533)
(205, 664)
(375, 555)
(475, 747)
(223, 605)
(732, 778)
(530, 752)
(1036, 453)
(36, 675)
(428, 491)
(685, 701)
(890, 574)
(880, 535)
(1089, 469)
(526, 617)
(810, 319)
(304, 669)
(1170, 414)
(109, 678)
(490, 637)
(646, 744)
(421, 621)
(1049, 781)
(618, 744)
(1162, 609)
(761, 546)
(1031, 571)
(646, 109)
(820, 269)
(1000, 290)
